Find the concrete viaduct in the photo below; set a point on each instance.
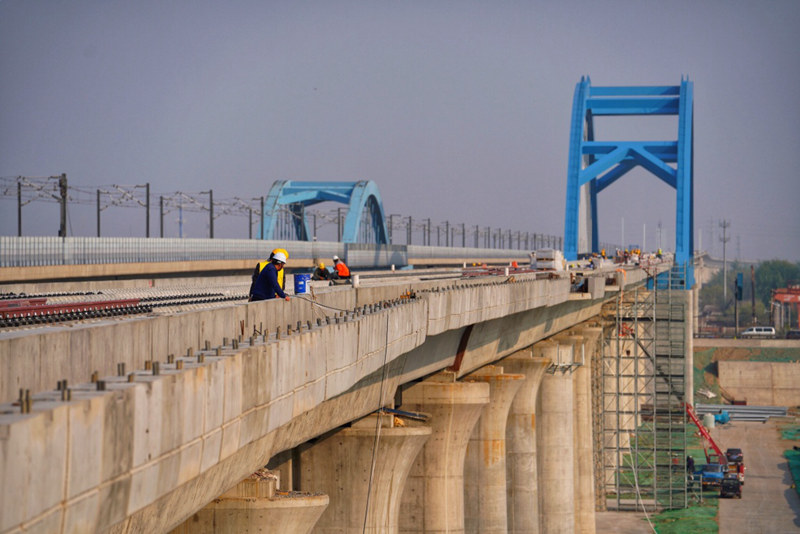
(185, 409)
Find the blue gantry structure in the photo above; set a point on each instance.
(361, 197)
(598, 164)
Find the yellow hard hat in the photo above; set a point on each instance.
(282, 250)
(321, 265)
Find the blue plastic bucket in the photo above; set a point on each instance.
(301, 283)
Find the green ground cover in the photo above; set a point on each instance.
(701, 515)
(792, 432)
(697, 519)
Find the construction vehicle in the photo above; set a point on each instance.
(712, 458)
(730, 487)
(734, 464)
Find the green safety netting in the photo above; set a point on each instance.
(794, 466)
(791, 432)
(698, 519)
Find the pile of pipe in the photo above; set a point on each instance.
(738, 412)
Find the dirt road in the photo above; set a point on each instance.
(769, 504)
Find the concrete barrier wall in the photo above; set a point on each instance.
(104, 455)
(762, 383)
(37, 362)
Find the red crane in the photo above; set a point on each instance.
(721, 458)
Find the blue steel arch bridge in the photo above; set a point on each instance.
(285, 210)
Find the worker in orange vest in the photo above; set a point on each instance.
(340, 269)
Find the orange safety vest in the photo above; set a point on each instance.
(342, 269)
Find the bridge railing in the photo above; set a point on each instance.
(28, 251)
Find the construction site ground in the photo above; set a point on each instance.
(621, 522)
(769, 503)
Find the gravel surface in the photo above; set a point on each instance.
(769, 504)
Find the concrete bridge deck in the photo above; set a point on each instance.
(151, 449)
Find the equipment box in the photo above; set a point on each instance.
(549, 258)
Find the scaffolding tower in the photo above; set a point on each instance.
(639, 392)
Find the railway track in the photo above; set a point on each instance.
(40, 310)
(51, 309)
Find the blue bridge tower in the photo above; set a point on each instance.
(595, 165)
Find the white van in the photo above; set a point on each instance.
(759, 331)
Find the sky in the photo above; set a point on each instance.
(459, 111)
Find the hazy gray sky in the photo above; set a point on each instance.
(458, 110)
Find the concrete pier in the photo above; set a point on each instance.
(253, 505)
(433, 500)
(485, 489)
(556, 450)
(522, 477)
(586, 343)
(363, 469)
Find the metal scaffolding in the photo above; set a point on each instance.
(639, 393)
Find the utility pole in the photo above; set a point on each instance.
(19, 206)
(644, 237)
(211, 213)
(736, 304)
(429, 231)
(724, 225)
(62, 188)
(147, 207)
(261, 221)
(710, 236)
(98, 213)
(753, 293)
(660, 241)
(314, 216)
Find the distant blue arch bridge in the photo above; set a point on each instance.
(595, 165)
(364, 222)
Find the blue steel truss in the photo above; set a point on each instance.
(362, 198)
(598, 164)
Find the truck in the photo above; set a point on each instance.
(711, 474)
(733, 459)
(730, 487)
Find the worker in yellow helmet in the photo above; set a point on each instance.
(321, 273)
(260, 266)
